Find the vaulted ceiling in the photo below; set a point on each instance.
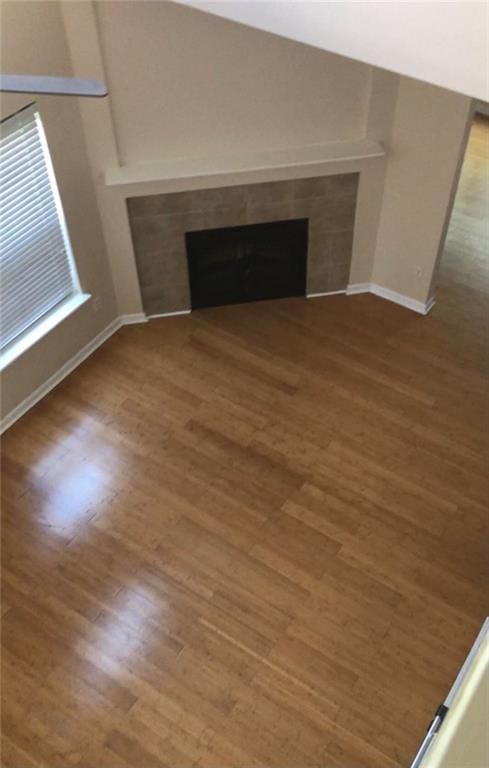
(444, 43)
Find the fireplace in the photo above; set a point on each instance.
(232, 265)
(165, 228)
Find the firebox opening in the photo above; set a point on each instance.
(253, 262)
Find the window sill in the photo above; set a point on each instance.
(28, 339)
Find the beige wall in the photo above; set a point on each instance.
(427, 134)
(33, 41)
(186, 84)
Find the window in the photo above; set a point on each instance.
(38, 276)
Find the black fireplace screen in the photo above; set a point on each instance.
(247, 263)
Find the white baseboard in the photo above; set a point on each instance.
(170, 314)
(327, 293)
(60, 374)
(420, 307)
(139, 317)
(429, 305)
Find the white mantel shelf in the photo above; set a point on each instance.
(183, 173)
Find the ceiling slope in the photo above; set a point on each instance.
(444, 43)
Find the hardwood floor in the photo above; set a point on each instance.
(256, 535)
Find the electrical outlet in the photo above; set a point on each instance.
(418, 271)
(96, 304)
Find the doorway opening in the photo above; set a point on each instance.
(462, 271)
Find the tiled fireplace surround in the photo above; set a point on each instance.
(159, 222)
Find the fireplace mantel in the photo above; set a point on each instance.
(187, 174)
(365, 157)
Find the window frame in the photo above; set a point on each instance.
(56, 314)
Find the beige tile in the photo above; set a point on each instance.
(344, 184)
(174, 266)
(318, 264)
(221, 197)
(317, 280)
(341, 247)
(166, 298)
(301, 209)
(322, 218)
(318, 186)
(224, 217)
(163, 266)
(151, 205)
(141, 206)
(147, 233)
(152, 233)
(269, 192)
(344, 214)
(264, 212)
(319, 250)
(338, 276)
(150, 273)
(320, 268)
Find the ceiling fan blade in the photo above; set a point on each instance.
(53, 86)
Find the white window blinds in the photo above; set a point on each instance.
(37, 271)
